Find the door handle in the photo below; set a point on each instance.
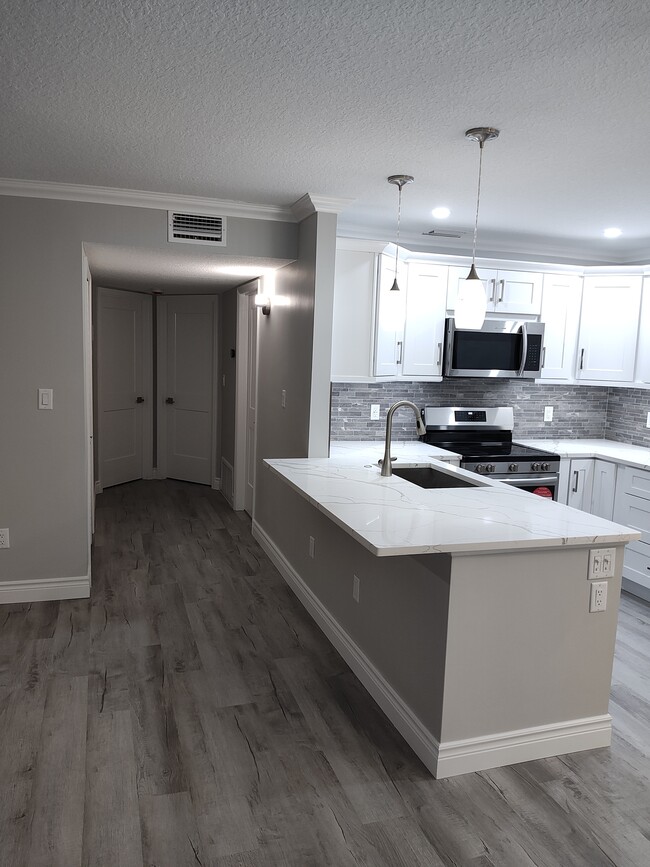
(399, 351)
(170, 400)
(543, 356)
(524, 349)
(582, 358)
(502, 284)
(439, 354)
(576, 477)
(493, 291)
(139, 400)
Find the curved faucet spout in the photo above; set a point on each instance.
(386, 469)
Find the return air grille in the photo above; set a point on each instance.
(197, 229)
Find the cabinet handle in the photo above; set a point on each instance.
(582, 358)
(543, 356)
(576, 477)
(439, 354)
(399, 352)
(493, 291)
(502, 284)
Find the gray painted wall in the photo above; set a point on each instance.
(43, 488)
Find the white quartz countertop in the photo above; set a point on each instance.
(390, 516)
(607, 450)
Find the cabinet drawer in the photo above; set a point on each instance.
(633, 512)
(634, 481)
(637, 564)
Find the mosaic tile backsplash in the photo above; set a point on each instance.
(579, 412)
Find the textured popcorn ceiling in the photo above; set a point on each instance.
(264, 101)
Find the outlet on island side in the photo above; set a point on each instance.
(598, 596)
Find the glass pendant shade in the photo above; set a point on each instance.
(471, 302)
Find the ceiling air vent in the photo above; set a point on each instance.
(196, 229)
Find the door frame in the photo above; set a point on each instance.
(147, 382)
(241, 394)
(160, 301)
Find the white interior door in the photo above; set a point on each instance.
(123, 376)
(251, 404)
(187, 396)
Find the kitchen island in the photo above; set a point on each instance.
(463, 611)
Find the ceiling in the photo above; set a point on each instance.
(262, 102)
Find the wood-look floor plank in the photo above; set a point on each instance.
(56, 808)
(169, 834)
(111, 820)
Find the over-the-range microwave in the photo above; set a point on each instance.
(500, 348)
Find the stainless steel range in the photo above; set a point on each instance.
(483, 438)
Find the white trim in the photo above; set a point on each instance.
(523, 745)
(227, 474)
(307, 205)
(143, 199)
(44, 589)
(453, 757)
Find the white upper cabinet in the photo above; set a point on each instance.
(508, 292)
(391, 305)
(609, 325)
(425, 320)
(643, 350)
(355, 280)
(561, 297)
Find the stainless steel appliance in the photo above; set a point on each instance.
(505, 348)
(483, 438)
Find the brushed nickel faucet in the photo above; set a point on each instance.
(386, 469)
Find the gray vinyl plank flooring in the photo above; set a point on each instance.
(190, 713)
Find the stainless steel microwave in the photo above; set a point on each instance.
(507, 348)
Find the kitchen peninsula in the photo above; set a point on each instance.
(464, 611)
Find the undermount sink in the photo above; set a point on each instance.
(428, 477)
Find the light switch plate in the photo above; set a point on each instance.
(602, 563)
(45, 398)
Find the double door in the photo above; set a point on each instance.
(181, 410)
(508, 292)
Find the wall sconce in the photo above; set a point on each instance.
(263, 301)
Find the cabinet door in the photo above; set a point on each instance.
(389, 339)
(561, 297)
(425, 319)
(603, 490)
(518, 292)
(642, 373)
(580, 483)
(460, 272)
(609, 324)
(355, 279)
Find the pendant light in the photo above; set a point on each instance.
(471, 302)
(400, 181)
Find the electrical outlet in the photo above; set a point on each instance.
(4, 538)
(647, 420)
(312, 547)
(374, 411)
(356, 585)
(602, 562)
(598, 596)
(548, 413)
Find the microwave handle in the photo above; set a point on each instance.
(524, 348)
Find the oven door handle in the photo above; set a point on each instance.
(524, 348)
(520, 480)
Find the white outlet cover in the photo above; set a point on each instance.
(548, 413)
(4, 538)
(598, 596)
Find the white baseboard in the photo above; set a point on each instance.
(44, 589)
(446, 759)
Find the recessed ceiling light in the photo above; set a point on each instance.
(441, 213)
(612, 232)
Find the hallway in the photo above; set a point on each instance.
(190, 713)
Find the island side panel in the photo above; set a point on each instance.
(523, 649)
(400, 621)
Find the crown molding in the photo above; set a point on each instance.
(143, 199)
(308, 205)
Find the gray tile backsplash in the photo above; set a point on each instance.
(578, 411)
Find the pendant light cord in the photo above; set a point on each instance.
(399, 216)
(478, 199)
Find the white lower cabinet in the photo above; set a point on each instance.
(581, 479)
(632, 508)
(603, 489)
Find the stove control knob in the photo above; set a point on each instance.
(480, 468)
(513, 468)
(534, 467)
(490, 468)
(546, 467)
